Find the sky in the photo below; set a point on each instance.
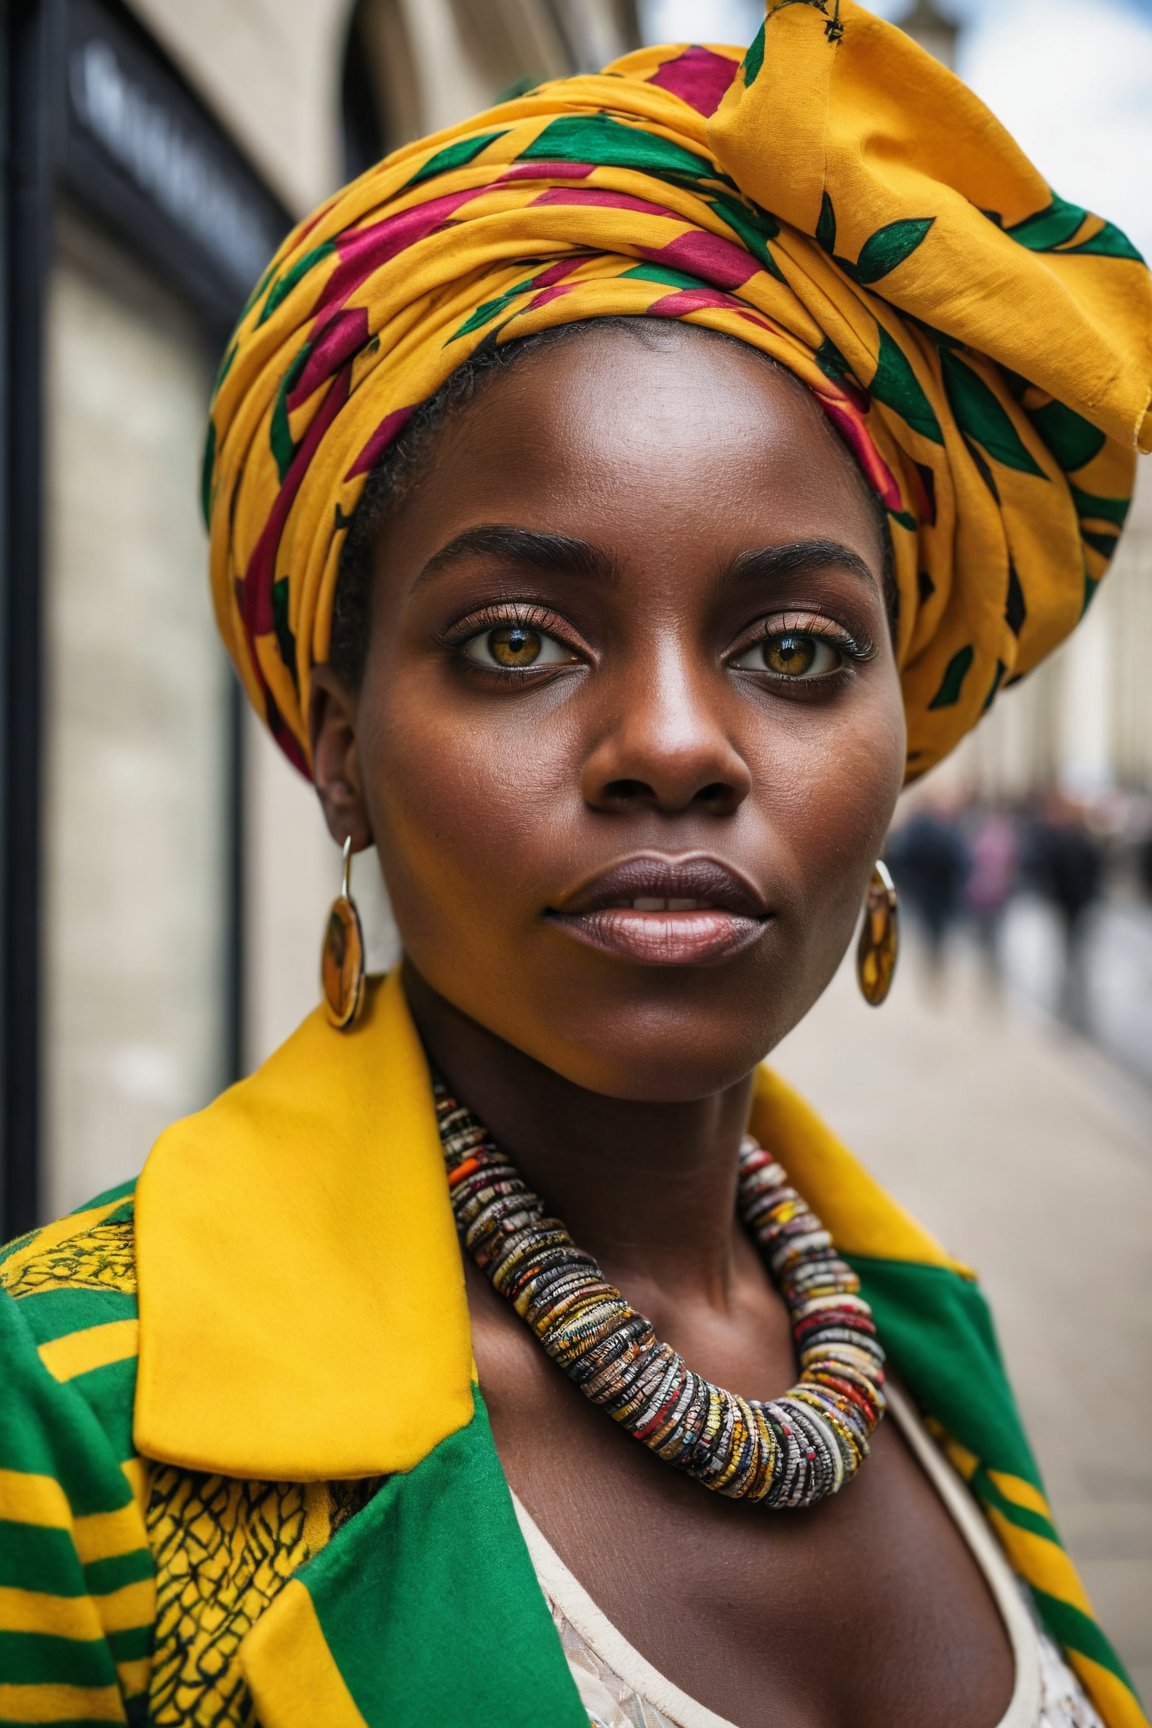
(1072, 79)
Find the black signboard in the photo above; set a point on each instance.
(147, 155)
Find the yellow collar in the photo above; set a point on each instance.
(302, 1305)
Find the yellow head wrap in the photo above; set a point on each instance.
(834, 198)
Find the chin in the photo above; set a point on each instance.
(662, 1057)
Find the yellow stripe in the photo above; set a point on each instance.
(26, 1498)
(107, 1535)
(78, 1352)
(1116, 1704)
(80, 1617)
(29, 1499)
(51, 1237)
(1042, 1562)
(135, 1677)
(54, 1703)
(1021, 1493)
(136, 1471)
(964, 1461)
(287, 1664)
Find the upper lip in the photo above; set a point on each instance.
(714, 885)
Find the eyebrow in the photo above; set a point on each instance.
(562, 554)
(770, 563)
(527, 547)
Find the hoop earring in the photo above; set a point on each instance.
(342, 956)
(879, 944)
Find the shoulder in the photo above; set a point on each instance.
(77, 1572)
(68, 1313)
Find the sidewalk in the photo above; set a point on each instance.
(1031, 1157)
(1118, 973)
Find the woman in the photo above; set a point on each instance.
(612, 502)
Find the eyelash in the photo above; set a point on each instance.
(518, 614)
(854, 650)
(531, 616)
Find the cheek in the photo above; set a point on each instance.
(832, 796)
(463, 810)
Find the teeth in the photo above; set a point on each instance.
(643, 905)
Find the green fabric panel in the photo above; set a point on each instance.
(104, 1576)
(1076, 1631)
(754, 229)
(952, 682)
(982, 418)
(754, 59)
(53, 1314)
(122, 1191)
(15, 1245)
(35, 1658)
(456, 155)
(33, 1557)
(1073, 440)
(896, 385)
(110, 1393)
(1103, 509)
(1022, 1516)
(938, 1332)
(599, 139)
(439, 1551)
(663, 274)
(283, 286)
(58, 1430)
(133, 1644)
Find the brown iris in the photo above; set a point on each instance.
(514, 645)
(791, 656)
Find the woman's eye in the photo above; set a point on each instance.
(517, 647)
(791, 654)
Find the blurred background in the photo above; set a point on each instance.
(165, 875)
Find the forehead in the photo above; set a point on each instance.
(674, 436)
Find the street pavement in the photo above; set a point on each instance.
(1030, 1156)
(1117, 972)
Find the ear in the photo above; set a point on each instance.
(332, 710)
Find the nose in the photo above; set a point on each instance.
(665, 745)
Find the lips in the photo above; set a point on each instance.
(661, 910)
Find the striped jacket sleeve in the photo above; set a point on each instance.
(77, 1591)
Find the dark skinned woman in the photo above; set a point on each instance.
(612, 503)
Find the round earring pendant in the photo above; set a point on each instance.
(342, 963)
(879, 938)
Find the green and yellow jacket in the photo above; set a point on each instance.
(246, 1474)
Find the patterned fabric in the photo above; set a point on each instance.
(126, 1587)
(193, 1584)
(834, 198)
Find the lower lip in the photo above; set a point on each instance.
(662, 938)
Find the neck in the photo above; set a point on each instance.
(648, 1188)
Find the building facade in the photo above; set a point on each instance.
(165, 874)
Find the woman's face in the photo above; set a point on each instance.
(630, 731)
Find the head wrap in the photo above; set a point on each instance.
(834, 198)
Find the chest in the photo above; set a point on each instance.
(869, 1609)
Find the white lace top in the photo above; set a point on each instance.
(621, 1689)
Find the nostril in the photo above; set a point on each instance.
(714, 796)
(628, 792)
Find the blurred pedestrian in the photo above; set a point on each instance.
(994, 863)
(930, 860)
(1064, 864)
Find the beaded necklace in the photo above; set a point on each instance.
(782, 1452)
